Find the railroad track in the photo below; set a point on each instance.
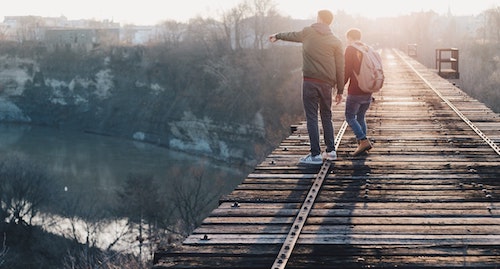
(427, 194)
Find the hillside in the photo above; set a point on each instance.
(185, 98)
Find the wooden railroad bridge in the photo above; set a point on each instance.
(426, 196)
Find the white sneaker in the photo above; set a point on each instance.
(309, 159)
(331, 156)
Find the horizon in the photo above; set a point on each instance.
(156, 11)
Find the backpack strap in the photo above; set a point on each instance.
(359, 46)
(361, 49)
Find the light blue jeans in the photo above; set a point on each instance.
(318, 96)
(355, 110)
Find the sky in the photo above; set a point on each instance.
(149, 12)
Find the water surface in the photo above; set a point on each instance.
(97, 166)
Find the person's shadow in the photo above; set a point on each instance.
(354, 183)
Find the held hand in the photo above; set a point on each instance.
(338, 98)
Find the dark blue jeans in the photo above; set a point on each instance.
(355, 110)
(318, 96)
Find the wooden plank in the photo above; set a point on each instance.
(348, 229)
(392, 212)
(371, 206)
(350, 239)
(359, 255)
(357, 220)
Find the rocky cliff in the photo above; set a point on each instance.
(226, 106)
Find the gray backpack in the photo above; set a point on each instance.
(371, 74)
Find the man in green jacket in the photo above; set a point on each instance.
(323, 70)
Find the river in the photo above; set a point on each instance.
(95, 167)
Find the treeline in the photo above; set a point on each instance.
(476, 37)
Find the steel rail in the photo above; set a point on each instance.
(293, 235)
(478, 131)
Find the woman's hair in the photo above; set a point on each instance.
(326, 16)
(354, 34)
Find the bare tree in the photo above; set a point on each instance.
(493, 24)
(29, 28)
(25, 187)
(170, 32)
(140, 202)
(128, 34)
(263, 10)
(191, 198)
(85, 223)
(3, 251)
(3, 32)
(79, 259)
(233, 26)
(206, 34)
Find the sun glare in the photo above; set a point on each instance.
(155, 11)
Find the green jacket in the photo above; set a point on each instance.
(322, 53)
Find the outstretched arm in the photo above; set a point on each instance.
(288, 36)
(273, 38)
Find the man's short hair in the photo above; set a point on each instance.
(326, 16)
(354, 34)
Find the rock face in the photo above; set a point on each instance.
(172, 100)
